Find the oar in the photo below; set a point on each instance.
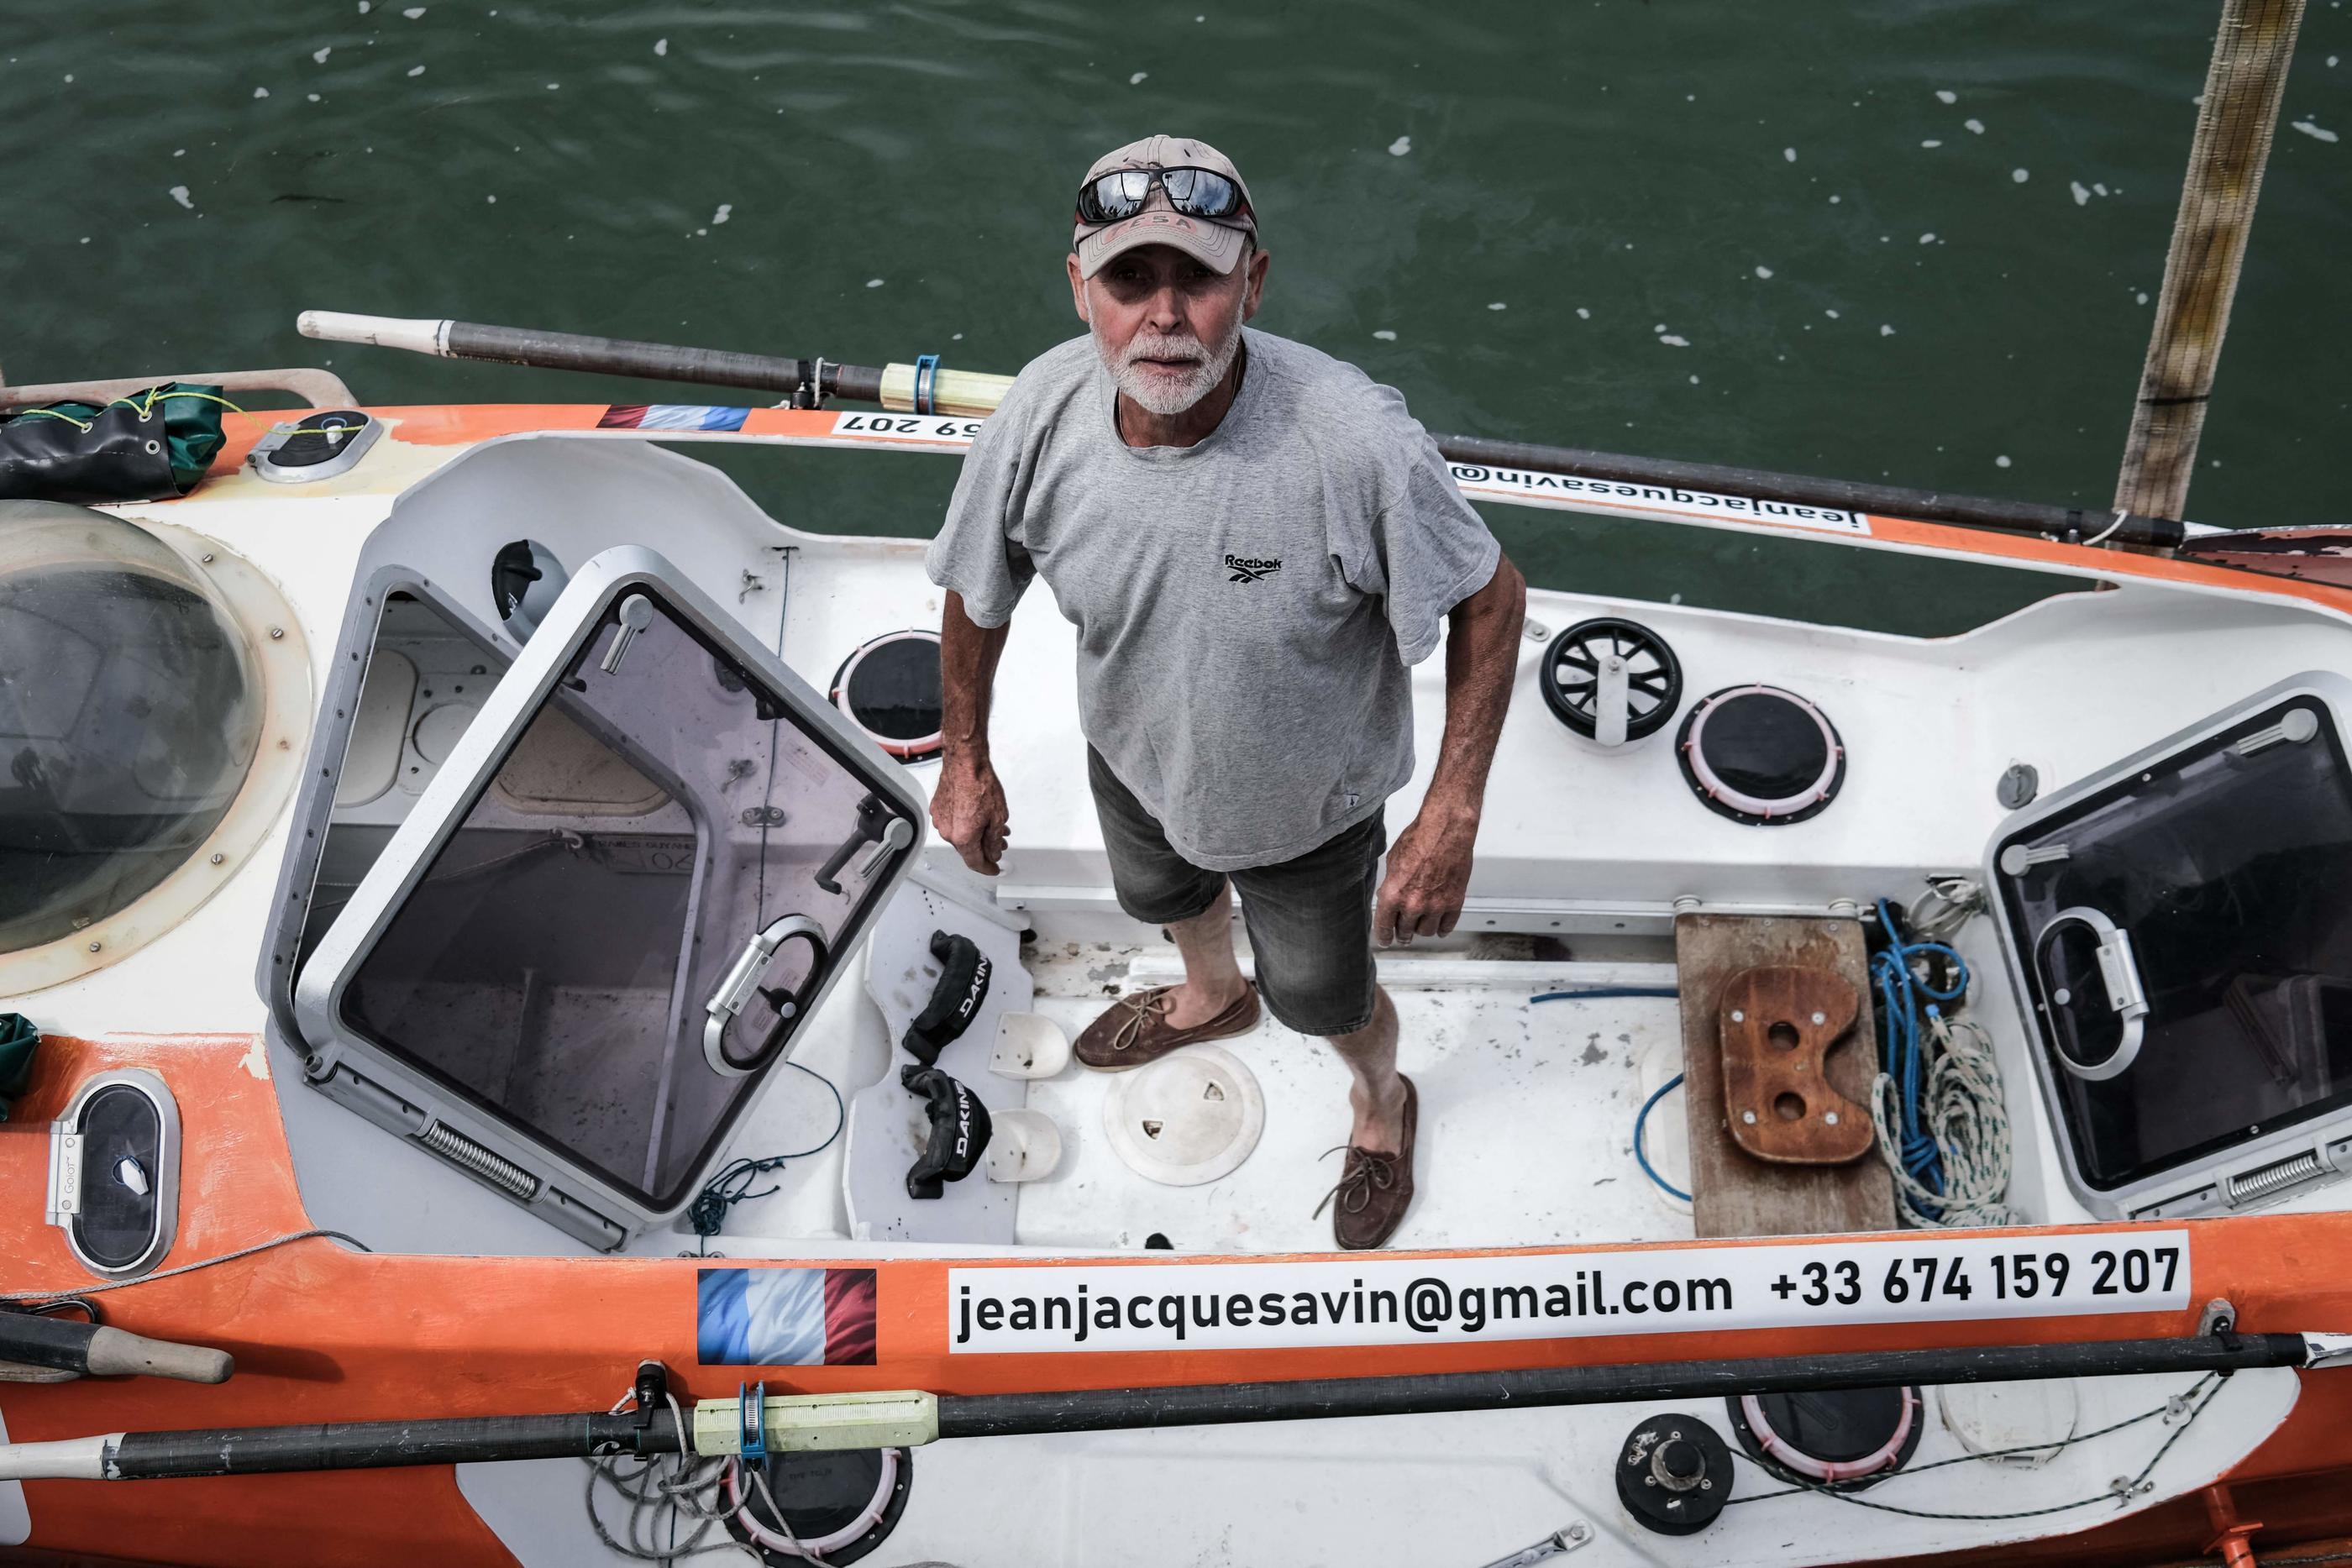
(60, 1348)
(926, 387)
(809, 1423)
(966, 394)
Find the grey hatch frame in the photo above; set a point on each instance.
(2260, 1166)
(497, 1150)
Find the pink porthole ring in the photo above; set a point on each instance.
(1887, 1456)
(1761, 756)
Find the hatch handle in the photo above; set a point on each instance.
(877, 825)
(895, 837)
(735, 992)
(2120, 973)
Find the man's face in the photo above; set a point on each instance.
(1167, 326)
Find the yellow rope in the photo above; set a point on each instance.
(56, 414)
(144, 408)
(157, 394)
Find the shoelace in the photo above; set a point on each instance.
(1357, 1180)
(1140, 1011)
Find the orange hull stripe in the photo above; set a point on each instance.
(466, 424)
(324, 1333)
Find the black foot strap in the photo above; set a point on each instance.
(960, 1129)
(963, 981)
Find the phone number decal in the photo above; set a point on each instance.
(2022, 1275)
(914, 429)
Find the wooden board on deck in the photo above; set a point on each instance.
(1733, 1194)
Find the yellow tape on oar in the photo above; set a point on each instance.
(822, 1423)
(971, 395)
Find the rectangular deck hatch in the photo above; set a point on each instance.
(2180, 929)
(637, 873)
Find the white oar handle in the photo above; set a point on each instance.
(418, 337)
(66, 1459)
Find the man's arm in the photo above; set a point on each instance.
(968, 806)
(1429, 865)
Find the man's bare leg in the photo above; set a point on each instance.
(1377, 1096)
(1213, 978)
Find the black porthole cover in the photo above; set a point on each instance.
(1872, 1432)
(822, 1494)
(1570, 675)
(1761, 756)
(890, 688)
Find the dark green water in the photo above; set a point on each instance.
(1616, 176)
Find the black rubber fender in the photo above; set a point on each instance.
(955, 999)
(959, 1129)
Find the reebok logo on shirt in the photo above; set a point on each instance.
(1244, 570)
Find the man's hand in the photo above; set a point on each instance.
(1428, 877)
(968, 805)
(968, 809)
(1429, 865)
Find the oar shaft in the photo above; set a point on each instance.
(2066, 523)
(1111, 1410)
(336, 1446)
(559, 350)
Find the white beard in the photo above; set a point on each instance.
(1159, 392)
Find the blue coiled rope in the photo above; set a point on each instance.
(1904, 996)
(1640, 1155)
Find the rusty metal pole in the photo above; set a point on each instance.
(2243, 87)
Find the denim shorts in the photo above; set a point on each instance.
(1310, 919)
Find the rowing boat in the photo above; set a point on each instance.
(503, 1016)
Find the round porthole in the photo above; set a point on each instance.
(154, 691)
(842, 1505)
(889, 687)
(1848, 1438)
(1761, 756)
(1612, 680)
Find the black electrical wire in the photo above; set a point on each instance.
(2215, 1379)
(732, 1184)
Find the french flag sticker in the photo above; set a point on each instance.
(784, 1317)
(671, 416)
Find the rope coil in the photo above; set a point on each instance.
(1936, 1106)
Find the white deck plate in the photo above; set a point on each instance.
(1526, 1135)
(888, 1126)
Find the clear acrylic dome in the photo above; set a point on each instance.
(130, 714)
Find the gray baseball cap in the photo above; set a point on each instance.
(1215, 243)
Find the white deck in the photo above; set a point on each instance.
(1527, 1116)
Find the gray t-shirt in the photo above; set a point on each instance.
(1246, 607)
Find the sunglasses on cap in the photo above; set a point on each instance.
(1196, 192)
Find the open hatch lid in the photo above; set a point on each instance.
(2180, 928)
(638, 871)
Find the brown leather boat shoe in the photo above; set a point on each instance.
(1135, 1030)
(1369, 1200)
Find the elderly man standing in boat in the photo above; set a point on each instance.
(1256, 541)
